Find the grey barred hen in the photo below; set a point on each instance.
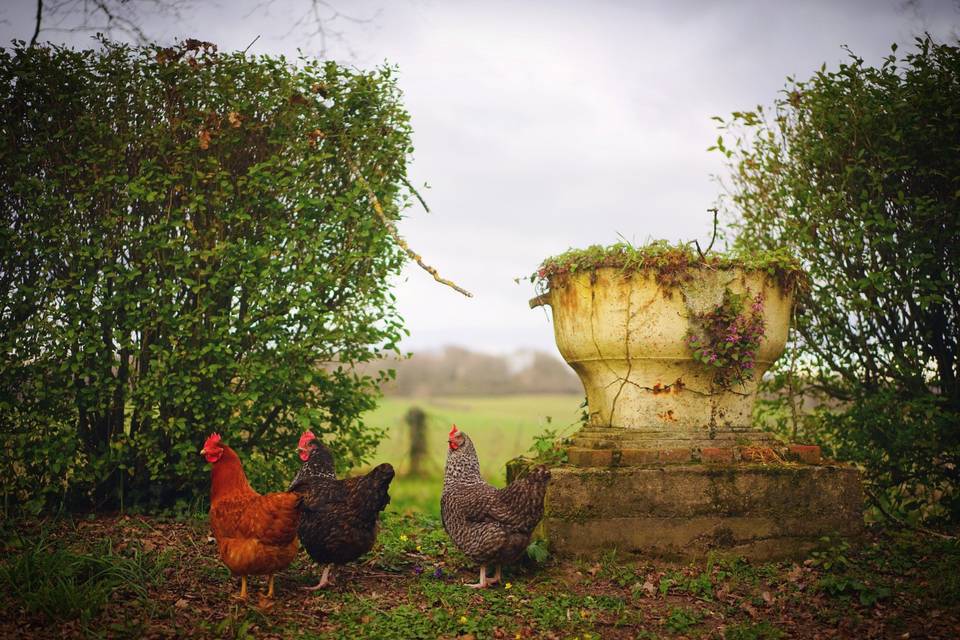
(339, 518)
(489, 525)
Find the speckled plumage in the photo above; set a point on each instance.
(489, 525)
(339, 518)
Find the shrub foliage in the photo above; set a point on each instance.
(857, 172)
(186, 248)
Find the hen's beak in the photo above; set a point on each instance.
(203, 451)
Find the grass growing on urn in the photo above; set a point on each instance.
(671, 264)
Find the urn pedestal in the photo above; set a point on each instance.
(668, 463)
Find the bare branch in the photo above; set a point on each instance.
(318, 23)
(110, 17)
(251, 43)
(36, 30)
(392, 228)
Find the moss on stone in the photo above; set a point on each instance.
(672, 265)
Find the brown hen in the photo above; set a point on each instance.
(256, 535)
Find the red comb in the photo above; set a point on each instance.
(212, 440)
(305, 438)
(453, 429)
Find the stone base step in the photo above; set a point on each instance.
(598, 438)
(679, 452)
(759, 511)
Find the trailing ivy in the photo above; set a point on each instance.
(189, 245)
(727, 338)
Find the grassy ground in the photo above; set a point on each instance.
(155, 578)
(501, 427)
(158, 577)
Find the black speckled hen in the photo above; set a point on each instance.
(339, 518)
(489, 525)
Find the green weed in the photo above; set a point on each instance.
(701, 585)
(680, 619)
(753, 631)
(62, 584)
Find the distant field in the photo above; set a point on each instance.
(501, 427)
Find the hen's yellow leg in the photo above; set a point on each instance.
(243, 587)
(270, 586)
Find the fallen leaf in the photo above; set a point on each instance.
(649, 588)
(182, 603)
(767, 597)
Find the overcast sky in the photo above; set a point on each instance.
(541, 126)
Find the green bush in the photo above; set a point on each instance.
(189, 245)
(857, 172)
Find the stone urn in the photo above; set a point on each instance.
(627, 336)
(668, 463)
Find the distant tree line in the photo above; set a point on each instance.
(458, 371)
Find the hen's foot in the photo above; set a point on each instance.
(320, 585)
(324, 580)
(496, 577)
(479, 585)
(243, 589)
(484, 582)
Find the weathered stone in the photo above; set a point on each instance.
(625, 335)
(685, 511)
(669, 463)
(810, 454)
(629, 457)
(590, 457)
(716, 454)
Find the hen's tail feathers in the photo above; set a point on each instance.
(538, 477)
(382, 476)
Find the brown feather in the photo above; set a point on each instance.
(255, 534)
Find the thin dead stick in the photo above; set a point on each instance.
(703, 254)
(392, 228)
(423, 202)
(251, 44)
